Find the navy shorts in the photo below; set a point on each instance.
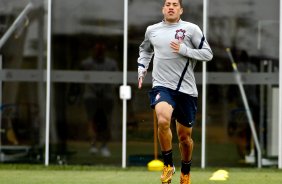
(184, 105)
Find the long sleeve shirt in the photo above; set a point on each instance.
(170, 69)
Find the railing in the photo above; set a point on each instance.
(15, 24)
(3, 40)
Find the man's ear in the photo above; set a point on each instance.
(163, 10)
(181, 11)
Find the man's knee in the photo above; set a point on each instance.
(185, 139)
(163, 122)
(164, 112)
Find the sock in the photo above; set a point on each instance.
(185, 167)
(167, 156)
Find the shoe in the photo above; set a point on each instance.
(105, 152)
(93, 150)
(185, 178)
(166, 176)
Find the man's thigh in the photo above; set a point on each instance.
(163, 110)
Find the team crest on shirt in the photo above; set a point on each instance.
(158, 96)
(180, 34)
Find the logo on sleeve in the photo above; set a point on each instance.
(180, 34)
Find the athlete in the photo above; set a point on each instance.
(177, 45)
(99, 99)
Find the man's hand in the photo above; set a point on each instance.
(141, 75)
(175, 45)
(140, 82)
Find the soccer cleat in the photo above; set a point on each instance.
(185, 178)
(105, 152)
(166, 176)
(93, 150)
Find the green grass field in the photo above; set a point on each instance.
(37, 174)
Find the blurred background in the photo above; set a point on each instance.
(86, 72)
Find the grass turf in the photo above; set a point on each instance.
(37, 174)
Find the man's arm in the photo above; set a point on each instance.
(202, 50)
(145, 55)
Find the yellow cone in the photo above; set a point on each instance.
(11, 136)
(155, 165)
(220, 175)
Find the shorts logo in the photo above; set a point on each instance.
(180, 34)
(158, 97)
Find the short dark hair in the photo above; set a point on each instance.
(180, 2)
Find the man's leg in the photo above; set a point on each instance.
(164, 113)
(93, 136)
(90, 109)
(185, 141)
(186, 148)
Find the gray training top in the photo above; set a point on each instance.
(173, 70)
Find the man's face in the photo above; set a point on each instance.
(172, 11)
